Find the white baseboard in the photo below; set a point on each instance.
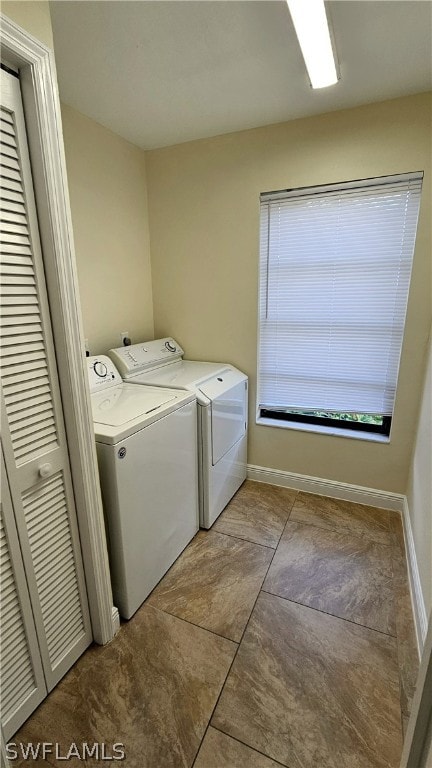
(417, 599)
(115, 619)
(332, 488)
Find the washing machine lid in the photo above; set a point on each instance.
(119, 405)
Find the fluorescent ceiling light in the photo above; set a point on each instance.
(311, 25)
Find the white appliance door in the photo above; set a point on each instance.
(150, 493)
(228, 395)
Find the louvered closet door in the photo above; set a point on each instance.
(33, 432)
(22, 680)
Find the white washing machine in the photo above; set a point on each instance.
(147, 454)
(222, 397)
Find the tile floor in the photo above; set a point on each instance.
(282, 637)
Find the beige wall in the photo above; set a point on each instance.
(34, 17)
(204, 227)
(419, 492)
(107, 186)
(203, 203)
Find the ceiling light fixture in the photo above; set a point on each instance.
(311, 25)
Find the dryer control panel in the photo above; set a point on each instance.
(102, 373)
(137, 358)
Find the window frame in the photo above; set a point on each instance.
(320, 421)
(279, 415)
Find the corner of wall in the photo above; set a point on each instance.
(34, 17)
(418, 513)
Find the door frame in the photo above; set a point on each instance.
(417, 749)
(39, 87)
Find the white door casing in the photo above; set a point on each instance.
(36, 66)
(33, 434)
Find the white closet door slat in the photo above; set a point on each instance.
(7, 137)
(51, 515)
(53, 535)
(18, 278)
(16, 238)
(19, 290)
(17, 332)
(9, 314)
(28, 449)
(12, 200)
(10, 259)
(21, 270)
(22, 682)
(9, 350)
(11, 174)
(9, 155)
(38, 389)
(34, 412)
(7, 127)
(7, 118)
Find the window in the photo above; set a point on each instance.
(335, 265)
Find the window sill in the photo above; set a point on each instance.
(300, 427)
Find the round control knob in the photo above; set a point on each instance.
(170, 347)
(100, 369)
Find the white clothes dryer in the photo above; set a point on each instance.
(222, 397)
(147, 455)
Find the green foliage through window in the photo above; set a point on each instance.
(363, 418)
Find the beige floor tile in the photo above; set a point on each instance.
(221, 751)
(214, 583)
(335, 572)
(312, 690)
(306, 689)
(359, 519)
(26, 758)
(258, 512)
(153, 689)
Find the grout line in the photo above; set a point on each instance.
(240, 538)
(346, 530)
(199, 626)
(326, 613)
(213, 710)
(233, 660)
(254, 749)
(187, 621)
(393, 544)
(258, 542)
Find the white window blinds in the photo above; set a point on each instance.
(335, 266)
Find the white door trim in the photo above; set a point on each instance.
(417, 748)
(42, 109)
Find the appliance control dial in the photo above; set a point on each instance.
(100, 369)
(170, 347)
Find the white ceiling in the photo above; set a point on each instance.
(161, 73)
